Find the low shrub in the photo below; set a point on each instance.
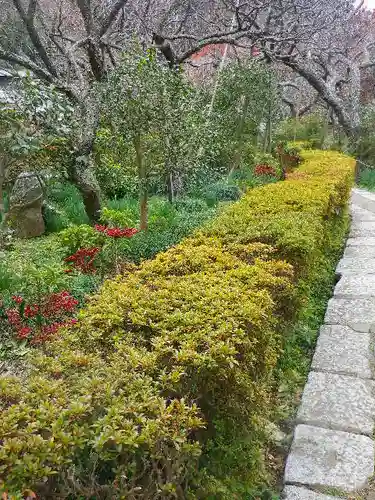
(176, 363)
(221, 191)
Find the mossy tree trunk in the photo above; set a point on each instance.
(142, 175)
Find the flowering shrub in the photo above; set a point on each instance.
(116, 232)
(83, 260)
(264, 170)
(38, 322)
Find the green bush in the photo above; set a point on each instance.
(75, 237)
(221, 191)
(310, 128)
(178, 359)
(367, 178)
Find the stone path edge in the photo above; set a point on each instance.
(332, 453)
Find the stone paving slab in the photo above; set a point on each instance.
(344, 351)
(360, 241)
(358, 314)
(356, 265)
(362, 228)
(356, 286)
(361, 214)
(364, 252)
(338, 402)
(325, 458)
(364, 199)
(298, 493)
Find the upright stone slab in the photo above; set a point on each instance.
(330, 459)
(338, 402)
(342, 350)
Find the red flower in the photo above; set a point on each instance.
(24, 332)
(100, 228)
(17, 299)
(117, 232)
(264, 170)
(83, 260)
(31, 311)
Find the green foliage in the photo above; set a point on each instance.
(66, 205)
(75, 237)
(115, 164)
(180, 358)
(221, 191)
(367, 178)
(246, 106)
(365, 145)
(310, 129)
(116, 218)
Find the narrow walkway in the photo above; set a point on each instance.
(332, 454)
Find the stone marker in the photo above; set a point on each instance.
(338, 402)
(296, 493)
(325, 458)
(25, 207)
(342, 350)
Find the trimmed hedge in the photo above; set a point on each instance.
(176, 356)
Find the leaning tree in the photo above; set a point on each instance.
(70, 44)
(326, 43)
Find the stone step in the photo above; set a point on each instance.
(362, 228)
(329, 459)
(365, 252)
(363, 199)
(358, 314)
(338, 402)
(361, 214)
(360, 241)
(344, 351)
(356, 265)
(355, 286)
(298, 493)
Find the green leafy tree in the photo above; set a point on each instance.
(245, 108)
(157, 110)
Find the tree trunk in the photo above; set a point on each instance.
(83, 177)
(2, 178)
(245, 102)
(81, 173)
(143, 191)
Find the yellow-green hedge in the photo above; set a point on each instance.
(122, 404)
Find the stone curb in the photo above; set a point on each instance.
(333, 449)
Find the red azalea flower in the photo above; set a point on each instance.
(24, 332)
(83, 260)
(264, 170)
(17, 299)
(117, 232)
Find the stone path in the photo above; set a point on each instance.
(332, 454)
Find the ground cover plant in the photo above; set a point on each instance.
(165, 385)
